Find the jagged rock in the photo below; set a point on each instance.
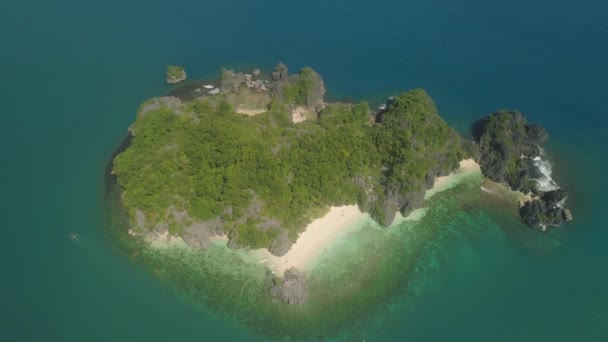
(316, 92)
(503, 138)
(508, 146)
(401, 193)
(554, 197)
(281, 244)
(170, 102)
(280, 72)
(539, 214)
(531, 213)
(199, 234)
(292, 289)
(231, 81)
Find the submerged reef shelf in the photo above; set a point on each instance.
(211, 191)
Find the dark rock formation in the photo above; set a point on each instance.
(292, 289)
(508, 145)
(280, 72)
(281, 244)
(231, 81)
(411, 120)
(316, 91)
(539, 214)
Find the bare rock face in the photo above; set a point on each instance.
(280, 72)
(231, 81)
(293, 289)
(281, 244)
(199, 234)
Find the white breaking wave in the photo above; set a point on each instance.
(544, 181)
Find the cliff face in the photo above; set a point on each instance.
(508, 148)
(507, 145)
(197, 168)
(416, 146)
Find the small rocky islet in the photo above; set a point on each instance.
(254, 159)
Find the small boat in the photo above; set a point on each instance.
(208, 86)
(382, 106)
(74, 237)
(263, 260)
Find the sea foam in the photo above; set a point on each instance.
(544, 180)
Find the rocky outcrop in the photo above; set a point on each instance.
(292, 289)
(157, 103)
(305, 88)
(175, 74)
(231, 81)
(280, 72)
(547, 211)
(411, 120)
(199, 234)
(508, 147)
(234, 82)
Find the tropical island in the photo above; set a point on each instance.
(260, 163)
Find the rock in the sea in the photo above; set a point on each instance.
(293, 288)
(554, 197)
(508, 147)
(507, 143)
(175, 74)
(255, 72)
(280, 72)
(541, 214)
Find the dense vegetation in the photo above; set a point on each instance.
(265, 178)
(504, 138)
(301, 89)
(507, 146)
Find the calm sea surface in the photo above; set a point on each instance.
(74, 72)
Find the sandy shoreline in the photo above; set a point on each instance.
(467, 167)
(324, 232)
(319, 235)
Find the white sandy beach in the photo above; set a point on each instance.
(339, 221)
(323, 232)
(319, 235)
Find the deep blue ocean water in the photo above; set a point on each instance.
(73, 74)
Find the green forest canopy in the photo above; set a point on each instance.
(205, 158)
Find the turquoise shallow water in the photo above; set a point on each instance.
(74, 73)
